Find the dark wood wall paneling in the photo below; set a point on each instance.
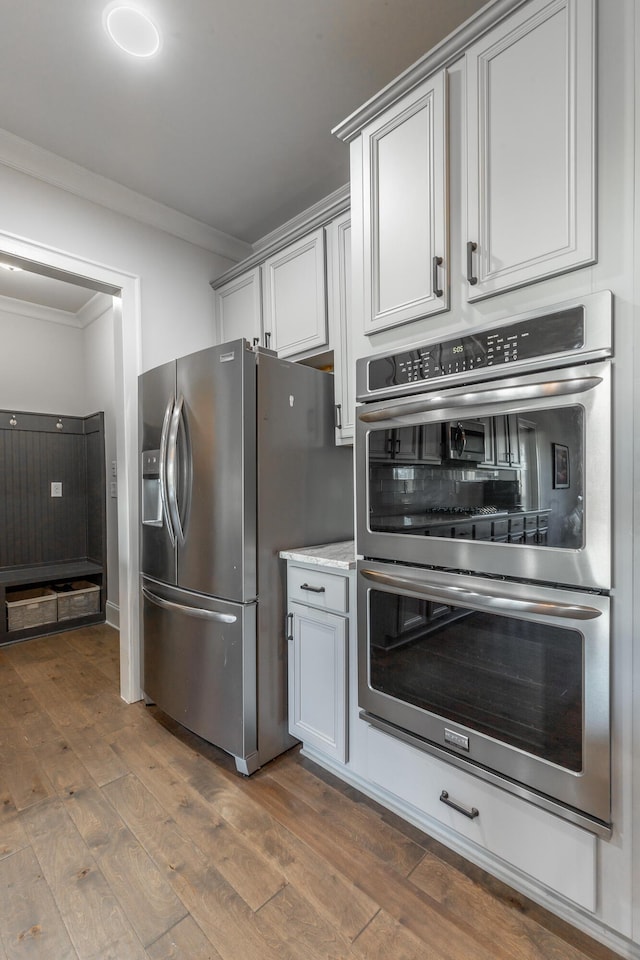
(36, 528)
(96, 485)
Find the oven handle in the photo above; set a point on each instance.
(483, 599)
(533, 391)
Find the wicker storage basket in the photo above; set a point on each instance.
(77, 599)
(30, 608)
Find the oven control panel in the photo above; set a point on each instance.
(561, 332)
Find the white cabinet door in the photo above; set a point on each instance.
(404, 157)
(318, 679)
(339, 291)
(295, 310)
(531, 147)
(239, 308)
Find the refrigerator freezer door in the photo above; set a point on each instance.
(217, 388)
(199, 666)
(156, 401)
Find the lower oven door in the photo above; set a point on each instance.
(509, 680)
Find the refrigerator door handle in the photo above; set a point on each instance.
(164, 497)
(189, 611)
(172, 469)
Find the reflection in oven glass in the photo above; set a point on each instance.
(515, 680)
(507, 479)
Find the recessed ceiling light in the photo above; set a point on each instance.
(131, 29)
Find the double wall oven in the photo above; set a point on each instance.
(483, 533)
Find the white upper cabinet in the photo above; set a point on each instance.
(405, 209)
(278, 296)
(530, 147)
(238, 308)
(295, 303)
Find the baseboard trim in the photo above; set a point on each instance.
(112, 613)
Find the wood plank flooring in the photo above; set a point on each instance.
(124, 837)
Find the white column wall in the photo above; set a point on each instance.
(99, 370)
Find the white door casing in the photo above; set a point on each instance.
(127, 323)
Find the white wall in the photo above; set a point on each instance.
(176, 298)
(40, 365)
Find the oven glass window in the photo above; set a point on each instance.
(517, 681)
(508, 479)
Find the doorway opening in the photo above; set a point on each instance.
(124, 288)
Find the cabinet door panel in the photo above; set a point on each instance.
(239, 308)
(404, 160)
(318, 680)
(295, 308)
(530, 146)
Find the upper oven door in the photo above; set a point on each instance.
(535, 506)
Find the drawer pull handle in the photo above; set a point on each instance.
(307, 586)
(471, 813)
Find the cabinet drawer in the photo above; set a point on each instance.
(554, 852)
(318, 588)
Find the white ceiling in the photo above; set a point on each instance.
(231, 122)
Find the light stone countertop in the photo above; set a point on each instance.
(341, 554)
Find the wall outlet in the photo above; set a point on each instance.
(56, 488)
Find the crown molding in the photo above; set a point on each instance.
(35, 311)
(311, 218)
(306, 222)
(438, 58)
(99, 304)
(26, 157)
(94, 309)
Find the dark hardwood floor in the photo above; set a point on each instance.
(124, 837)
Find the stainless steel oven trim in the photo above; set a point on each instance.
(601, 829)
(598, 345)
(589, 567)
(587, 793)
(513, 391)
(481, 598)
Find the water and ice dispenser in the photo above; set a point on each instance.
(151, 496)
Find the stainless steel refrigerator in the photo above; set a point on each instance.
(237, 462)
